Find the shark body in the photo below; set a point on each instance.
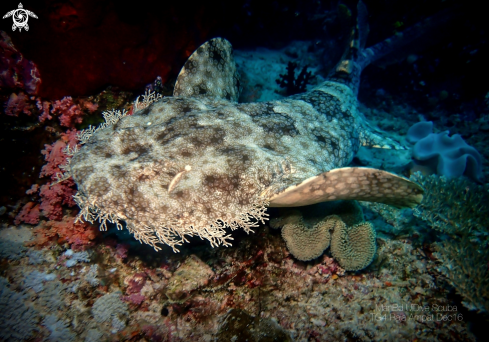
(199, 162)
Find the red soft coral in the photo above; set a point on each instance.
(54, 197)
(70, 113)
(28, 214)
(79, 235)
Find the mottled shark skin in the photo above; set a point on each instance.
(198, 162)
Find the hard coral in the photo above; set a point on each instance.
(455, 206)
(353, 247)
(19, 319)
(466, 270)
(307, 241)
(307, 230)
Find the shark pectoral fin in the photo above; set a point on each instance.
(351, 183)
(210, 71)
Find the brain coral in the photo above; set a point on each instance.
(308, 241)
(353, 247)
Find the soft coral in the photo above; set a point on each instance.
(70, 113)
(54, 196)
(79, 235)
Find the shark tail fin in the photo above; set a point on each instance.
(347, 70)
(406, 37)
(356, 57)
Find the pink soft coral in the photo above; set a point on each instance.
(70, 113)
(17, 72)
(44, 108)
(54, 196)
(54, 154)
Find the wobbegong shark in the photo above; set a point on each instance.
(198, 162)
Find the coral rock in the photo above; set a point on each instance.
(239, 326)
(191, 275)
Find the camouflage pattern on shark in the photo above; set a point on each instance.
(198, 162)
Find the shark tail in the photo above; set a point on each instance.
(406, 37)
(356, 57)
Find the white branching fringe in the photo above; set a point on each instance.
(91, 213)
(170, 234)
(148, 98)
(111, 117)
(65, 168)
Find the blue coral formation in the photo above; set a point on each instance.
(444, 155)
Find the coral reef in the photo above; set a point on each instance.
(239, 326)
(110, 308)
(171, 296)
(59, 331)
(69, 113)
(78, 234)
(465, 266)
(459, 208)
(191, 275)
(455, 206)
(309, 232)
(17, 104)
